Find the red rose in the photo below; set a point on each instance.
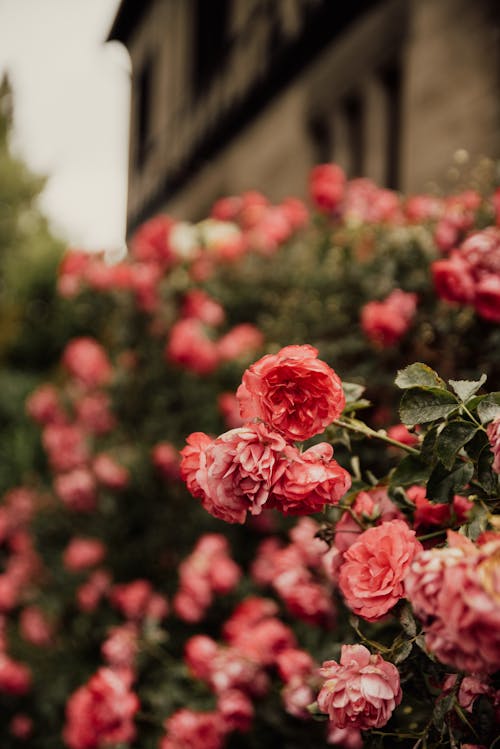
(293, 391)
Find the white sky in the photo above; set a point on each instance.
(71, 98)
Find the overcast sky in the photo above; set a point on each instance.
(71, 111)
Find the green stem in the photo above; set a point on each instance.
(369, 432)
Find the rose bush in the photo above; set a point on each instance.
(245, 365)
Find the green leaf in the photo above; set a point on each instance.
(489, 408)
(443, 706)
(352, 391)
(421, 406)
(465, 389)
(454, 436)
(411, 470)
(403, 652)
(356, 405)
(485, 476)
(407, 621)
(418, 375)
(478, 520)
(443, 483)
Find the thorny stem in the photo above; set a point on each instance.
(362, 428)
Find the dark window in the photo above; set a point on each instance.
(353, 109)
(322, 138)
(391, 79)
(210, 30)
(144, 107)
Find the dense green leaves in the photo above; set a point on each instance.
(452, 437)
(422, 406)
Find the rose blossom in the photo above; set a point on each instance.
(387, 321)
(371, 577)
(360, 692)
(109, 473)
(43, 405)
(77, 490)
(327, 185)
(311, 480)
(456, 592)
(236, 710)
(240, 341)
(493, 431)
(453, 279)
(82, 553)
(237, 471)
(293, 391)
(87, 361)
(192, 456)
(193, 730)
(374, 506)
(101, 712)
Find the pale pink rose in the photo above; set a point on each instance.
(470, 688)
(360, 692)
(236, 710)
(372, 575)
(43, 406)
(186, 728)
(86, 360)
(348, 738)
(109, 473)
(144, 280)
(311, 480)
(293, 391)
(309, 601)
(82, 553)
(65, 446)
(77, 490)
(493, 431)
(456, 593)
(297, 695)
(93, 413)
(294, 662)
(241, 340)
(189, 347)
(121, 646)
(264, 641)
(238, 470)
(304, 539)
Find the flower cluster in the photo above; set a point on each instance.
(386, 322)
(295, 396)
(471, 274)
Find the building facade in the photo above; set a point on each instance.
(229, 95)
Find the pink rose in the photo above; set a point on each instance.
(241, 340)
(150, 243)
(43, 405)
(82, 553)
(373, 506)
(230, 410)
(77, 490)
(186, 728)
(93, 413)
(192, 455)
(235, 710)
(101, 712)
(109, 473)
(487, 300)
(387, 321)
(199, 305)
(371, 577)
(456, 592)
(189, 347)
(238, 470)
(493, 431)
(87, 361)
(166, 460)
(311, 480)
(361, 691)
(293, 391)
(453, 279)
(327, 185)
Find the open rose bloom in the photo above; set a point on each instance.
(361, 691)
